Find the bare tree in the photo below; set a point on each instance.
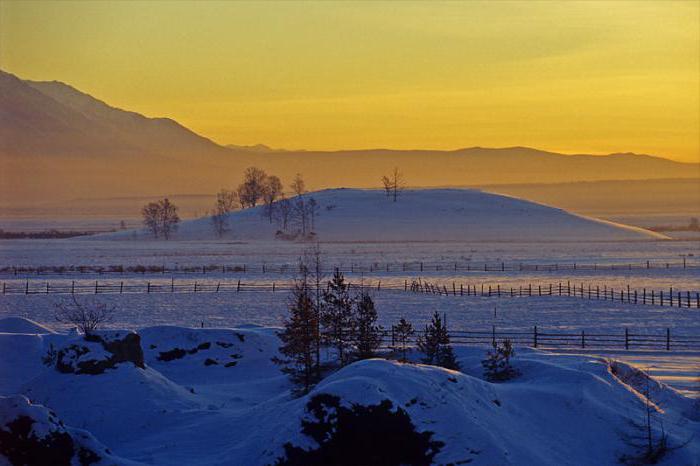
(160, 218)
(168, 218)
(298, 186)
(313, 210)
(150, 213)
(226, 202)
(253, 187)
(273, 190)
(283, 213)
(86, 316)
(393, 184)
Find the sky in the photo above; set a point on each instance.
(574, 77)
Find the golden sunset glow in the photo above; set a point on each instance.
(594, 77)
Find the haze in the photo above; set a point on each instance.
(586, 77)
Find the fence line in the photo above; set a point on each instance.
(536, 337)
(373, 267)
(671, 298)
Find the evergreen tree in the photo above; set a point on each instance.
(300, 337)
(435, 344)
(368, 335)
(497, 367)
(402, 334)
(337, 317)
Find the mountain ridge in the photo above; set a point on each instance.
(72, 144)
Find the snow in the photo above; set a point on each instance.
(210, 394)
(21, 325)
(47, 435)
(418, 215)
(183, 410)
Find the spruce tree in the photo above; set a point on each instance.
(337, 317)
(402, 334)
(368, 335)
(435, 344)
(300, 337)
(497, 367)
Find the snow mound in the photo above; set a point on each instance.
(211, 356)
(22, 325)
(32, 434)
(418, 215)
(214, 397)
(464, 419)
(100, 383)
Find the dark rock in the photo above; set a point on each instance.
(74, 358)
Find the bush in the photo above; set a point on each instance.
(360, 435)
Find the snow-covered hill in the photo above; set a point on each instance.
(417, 215)
(213, 397)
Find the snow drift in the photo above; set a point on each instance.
(418, 215)
(213, 397)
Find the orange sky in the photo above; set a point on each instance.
(593, 77)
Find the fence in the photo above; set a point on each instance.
(626, 295)
(374, 267)
(671, 298)
(548, 338)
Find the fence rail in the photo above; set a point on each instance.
(373, 267)
(673, 297)
(551, 338)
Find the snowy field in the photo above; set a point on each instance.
(225, 400)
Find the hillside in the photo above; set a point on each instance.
(73, 145)
(213, 397)
(419, 215)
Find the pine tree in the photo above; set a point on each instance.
(402, 334)
(337, 317)
(300, 337)
(435, 344)
(368, 335)
(497, 367)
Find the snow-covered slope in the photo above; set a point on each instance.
(213, 397)
(418, 215)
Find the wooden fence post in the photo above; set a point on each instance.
(535, 336)
(493, 335)
(627, 339)
(583, 338)
(668, 339)
(148, 290)
(238, 286)
(121, 287)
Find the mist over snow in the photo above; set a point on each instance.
(418, 215)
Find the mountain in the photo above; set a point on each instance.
(45, 118)
(72, 145)
(418, 215)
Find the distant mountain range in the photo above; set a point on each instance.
(58, 141)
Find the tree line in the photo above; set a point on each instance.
(326, 314)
